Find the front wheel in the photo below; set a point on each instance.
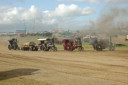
(55, 49)
(99, 47)
(15, 47)
(18, 48)
(36, 48)
(80, 49)
(112, 48)
(9, 47)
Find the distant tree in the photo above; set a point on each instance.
(47, 34)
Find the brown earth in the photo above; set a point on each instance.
(65, 68)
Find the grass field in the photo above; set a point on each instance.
(21, 81)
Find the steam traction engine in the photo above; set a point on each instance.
(72, 44)
(47, 44)
(13, 44)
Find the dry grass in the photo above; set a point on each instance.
(21, 81)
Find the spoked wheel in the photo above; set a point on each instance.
(15, 47)
(53, 49)
(36, 48)
(99, 47)
(9, 47)
(112, 48)
(18, 48)
(80, 49)
(42, 48)
(31, 48)
(69, 48)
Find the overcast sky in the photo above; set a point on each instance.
(39, 15)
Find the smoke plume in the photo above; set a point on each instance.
(112, 20)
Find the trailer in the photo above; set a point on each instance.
(30, 46)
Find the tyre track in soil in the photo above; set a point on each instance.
(53, 60)
(58, 62)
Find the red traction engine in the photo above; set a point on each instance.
(72, 44)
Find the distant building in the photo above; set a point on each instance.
(7, 33)
(21, 32)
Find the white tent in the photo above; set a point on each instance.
(41, 39)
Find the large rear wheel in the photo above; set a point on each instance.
(99, 47)
(70, 48)
(15, 46)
